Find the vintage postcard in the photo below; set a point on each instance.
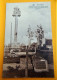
(28, 49)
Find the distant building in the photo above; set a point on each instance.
(15, 46)
(48, 43)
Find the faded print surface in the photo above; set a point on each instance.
(28, 48)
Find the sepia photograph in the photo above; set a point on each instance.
(28, 49)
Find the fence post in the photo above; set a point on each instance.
(26, 68)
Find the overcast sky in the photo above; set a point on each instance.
(33, 14)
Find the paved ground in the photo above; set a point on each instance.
(31, 73)
(21, 71)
